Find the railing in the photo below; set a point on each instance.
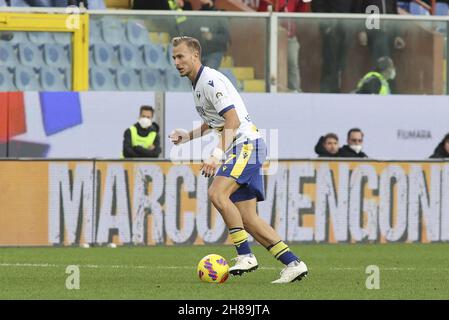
(257, 54)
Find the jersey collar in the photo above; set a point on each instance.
(197, 77)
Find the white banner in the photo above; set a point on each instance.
(396, 127)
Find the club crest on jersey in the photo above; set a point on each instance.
(218, 95)
(211, 83)
(198, 94)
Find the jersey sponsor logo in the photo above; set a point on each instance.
(211, 83)
(200, 110)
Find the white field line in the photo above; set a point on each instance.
(94, 266)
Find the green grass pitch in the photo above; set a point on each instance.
(407, 271)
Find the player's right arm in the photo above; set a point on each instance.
(179, 136)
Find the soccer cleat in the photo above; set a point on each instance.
(243, 264)
(291, 274)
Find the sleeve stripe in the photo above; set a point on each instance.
(222, 112)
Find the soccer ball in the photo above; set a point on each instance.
(213, 268)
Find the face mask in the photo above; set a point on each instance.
(145, 122)
(356, 147)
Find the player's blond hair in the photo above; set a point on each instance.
(191, 43)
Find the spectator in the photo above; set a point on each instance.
(442, 150)
(376, 82)
(354, 147)
(380, 41)
(336, 37)
(327, 146)
(142, 140)
(212, 32)
(294, 76)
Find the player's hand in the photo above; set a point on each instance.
(179, 136)
(210, 166)
(152, 147)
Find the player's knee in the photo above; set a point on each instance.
(217, 197)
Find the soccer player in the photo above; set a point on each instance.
(238, 182)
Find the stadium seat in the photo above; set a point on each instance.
(30, 55)
(19, 3)
(64, 38)
(129, 56)
(67, 76)
(7, 55)
(404, 5)
(136, 33)
(55, 55)
(173, 82)
(101, 79)
(103, 55)
(154, 56)
(112, 30)
(2, 3)
(19, 37)
(228, 73)
(51, 79)
(151, 80)
(96, 5)
(441, 9)
(40, 37)
(127, 80)
(416, 9)
(25, 79)
(6, 83)
(94, 32)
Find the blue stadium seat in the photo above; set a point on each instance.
(95, 31)
(6, 83)
(19, 37)
(8, 57)
(25, 79)
(154, 56)
(103, 55)
(127, 80)
(112, 30)
(228, 73)
(96, 5)
(40, 37)
(129, 56)
(416, 9)
(19, 3)
(67, 76)
(64, 38)
(51, 79)
(404, 5)
(173, 82)
(2, 3)
(136, 33)
(30, 55)
(101, 79)
(55, 55)
(441, 9)
(152, 80)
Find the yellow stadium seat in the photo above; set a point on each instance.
(254, 85)
(118, 4)
(243, 73)
(227, 62)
